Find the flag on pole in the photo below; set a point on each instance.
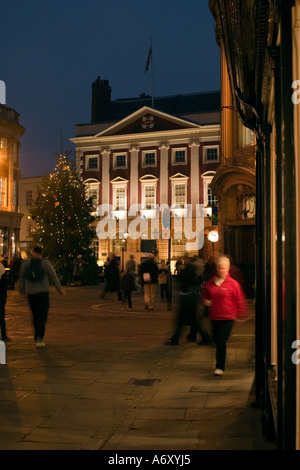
(149, 59)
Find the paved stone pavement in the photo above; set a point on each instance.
(107, 381)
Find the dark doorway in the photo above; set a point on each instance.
(148, 246)
(240, 246)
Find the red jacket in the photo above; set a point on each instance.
(228, 299)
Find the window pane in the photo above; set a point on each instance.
(93, 162)
(2, 192)
(179, 156)
(149, 196)
(211, 199)
(212, 154)
(28, 198)
(149, 158)
(121, 160)
(180, 194)
(120, 199)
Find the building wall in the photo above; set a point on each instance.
(163, 174)
(10, 215)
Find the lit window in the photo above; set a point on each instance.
(149, 196)
(180, 194)
(120, 198)
(211, 199)
(2, 192)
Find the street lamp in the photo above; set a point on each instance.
(213, 237)
(124, 243)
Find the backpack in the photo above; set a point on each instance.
(34, 271)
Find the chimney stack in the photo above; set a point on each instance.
(101, 95)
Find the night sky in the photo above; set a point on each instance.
(51, 52)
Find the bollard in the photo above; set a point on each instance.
(2, 353)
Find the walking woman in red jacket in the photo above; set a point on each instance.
(226, 301)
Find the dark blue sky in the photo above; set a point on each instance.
(51, 52)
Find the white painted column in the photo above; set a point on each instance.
(194, 146)
(163, 175)
(105, 176)
(134, 174)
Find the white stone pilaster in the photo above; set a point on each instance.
(105, 176)
(163, 175)
(134, 174)
(195, 173)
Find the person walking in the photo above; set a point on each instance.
(112, 278)
(34, 283)
(149, 274)
(127, 285)
(163, 280)
(226, 301)
(3, 297)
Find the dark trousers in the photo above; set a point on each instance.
(2, 318)
(221, 332)
(39, 304)
(127, 296)
(164, 291)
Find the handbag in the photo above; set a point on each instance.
(146, 277)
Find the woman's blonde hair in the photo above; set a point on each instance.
(223, 260)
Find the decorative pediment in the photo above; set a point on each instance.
(119, 179)
(147, 120)
(178, 176)
(148, 178)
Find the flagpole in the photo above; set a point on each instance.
(152, 80)
(150, 62)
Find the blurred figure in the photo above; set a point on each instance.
(112, 277)
(127, 285)
(15, 267)
(163, 280)
(225, 299)
(131, 265)
(209, 269)
(34, 282)
(149, 276)
(3, 297)
(77, 269)
(187, 306)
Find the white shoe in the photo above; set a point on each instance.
(219, 372)
(40, 344)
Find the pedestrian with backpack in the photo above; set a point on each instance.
(34, 283)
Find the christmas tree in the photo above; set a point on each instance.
(62, 218)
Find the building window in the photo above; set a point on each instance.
(211, 198)
(95, 248)
(28, 198)
(2, 192)
(3, 143)
(179, 156)
(180, 194)
(211, 154)
(92, 163)
(149, 196)
(149, 158)
(120, 161)
(92, 191)
(120, 198)
(14, 196)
